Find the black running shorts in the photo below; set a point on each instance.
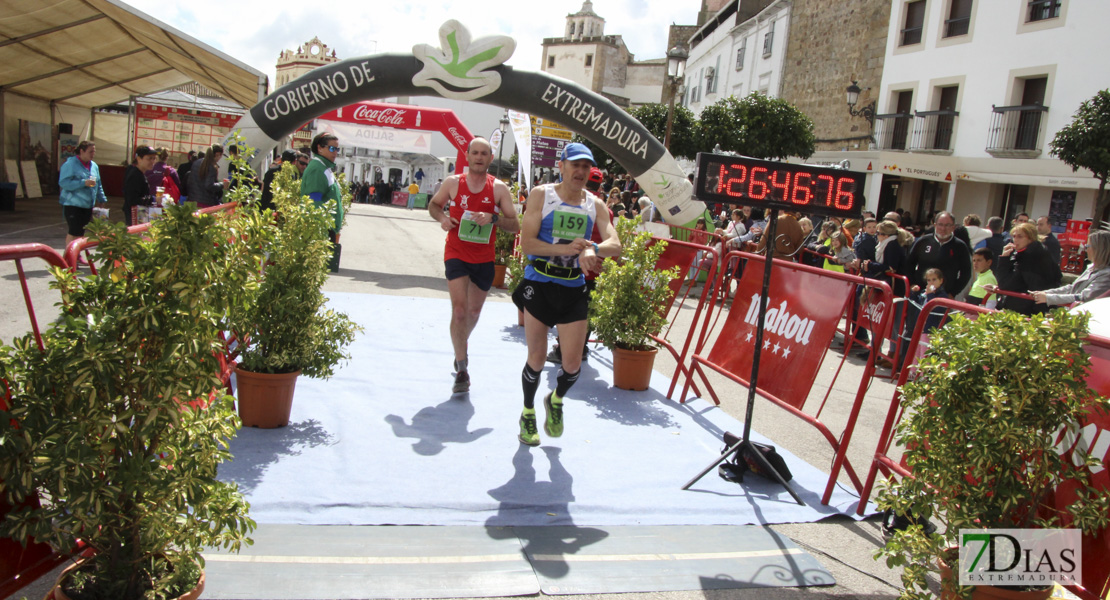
(552, 303)
(76, 219)
(479, 273)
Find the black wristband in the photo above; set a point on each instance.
(494, 218)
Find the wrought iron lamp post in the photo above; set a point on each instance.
(503, 125)
(867, 112)
(676, 71)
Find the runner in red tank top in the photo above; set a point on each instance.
(467, 207)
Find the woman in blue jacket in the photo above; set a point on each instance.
(81, 189)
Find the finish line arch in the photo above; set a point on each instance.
(397, 116)
(474, 70)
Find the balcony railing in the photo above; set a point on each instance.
(1015, 131)
(932, 131)
(1040, 10)
(892, 131)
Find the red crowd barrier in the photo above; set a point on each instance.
(17, 253)
(685, 256)
(21, 565)
(1094, 437)
(805, 306)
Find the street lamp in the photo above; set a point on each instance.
(676, 71)
(867, 112)
(503, 124)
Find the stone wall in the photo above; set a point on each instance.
(829, 45)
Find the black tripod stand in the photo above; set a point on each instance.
(745, 445)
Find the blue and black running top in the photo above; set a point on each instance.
(561, 224)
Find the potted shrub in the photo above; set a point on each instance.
(118, 426)
(503, 246)
(981, 425)
(624, 307)
(286, 327)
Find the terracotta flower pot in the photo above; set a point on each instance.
(989, 592)
(499, 276)
(632, 368)
(264, 399)
(58, 594)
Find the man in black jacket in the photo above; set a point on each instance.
(267, 199)
(943, 251)
(1050, 242)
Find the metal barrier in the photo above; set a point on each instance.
(684, 256)
(1095, 434)
(82, 245)
(21, 565)
(806, 305)
(17, 253)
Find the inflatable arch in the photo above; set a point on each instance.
(474, 70)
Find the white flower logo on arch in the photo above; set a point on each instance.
(459, 69)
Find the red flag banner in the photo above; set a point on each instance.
(803, 311)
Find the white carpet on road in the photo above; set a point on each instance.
(384, 441)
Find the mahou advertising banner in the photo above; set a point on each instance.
(803, 310)
(1094, 435)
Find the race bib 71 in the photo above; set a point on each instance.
(470, 231)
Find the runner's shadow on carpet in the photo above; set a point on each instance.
(435, 426)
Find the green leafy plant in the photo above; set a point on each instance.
(503, 247)
(756, 125)
(1085, 143)
(286, 324)
(625, 305)
(118, 426)
(980, 436)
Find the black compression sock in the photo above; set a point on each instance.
(564, 381)
(530, 381)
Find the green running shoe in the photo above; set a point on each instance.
(553, 424)
(528, 434)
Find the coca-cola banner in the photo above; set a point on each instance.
(381, 138)
(803, 309)
(466, 69)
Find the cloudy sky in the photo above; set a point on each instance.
(255, 31)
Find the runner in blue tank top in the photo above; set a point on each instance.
(558, 221)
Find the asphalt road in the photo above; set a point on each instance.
(391, 250)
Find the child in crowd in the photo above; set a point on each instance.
(840, 253)
(981, 262)
(934, 288)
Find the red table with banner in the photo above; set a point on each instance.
(1072, 258)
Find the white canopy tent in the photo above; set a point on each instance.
(69, 57)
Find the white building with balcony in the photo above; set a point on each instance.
(972, 93)
(738, 51)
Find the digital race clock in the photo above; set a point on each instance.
(768, 184)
